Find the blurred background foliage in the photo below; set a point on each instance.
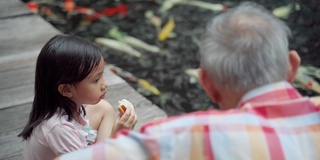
(166, 76)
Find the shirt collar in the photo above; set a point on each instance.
(271, 92)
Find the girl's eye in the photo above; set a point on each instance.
(96, 81)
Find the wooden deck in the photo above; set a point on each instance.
(22, 35)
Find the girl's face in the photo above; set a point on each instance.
(92, 89)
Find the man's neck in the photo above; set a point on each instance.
(230, 99)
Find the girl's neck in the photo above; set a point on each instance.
(77, 114)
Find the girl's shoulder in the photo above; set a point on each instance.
(59, 134)
(55, 123)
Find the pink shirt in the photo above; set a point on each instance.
(54, 137)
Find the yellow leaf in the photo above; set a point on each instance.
(284, 11)
(167, 29)
(145, 84)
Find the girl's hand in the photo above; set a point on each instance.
(126, 121)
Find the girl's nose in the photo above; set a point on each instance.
(105, 84)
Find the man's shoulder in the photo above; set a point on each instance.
(198, 118)
(252, 114)
(315, 101)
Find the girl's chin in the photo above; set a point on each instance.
(94, 102)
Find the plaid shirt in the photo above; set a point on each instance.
(271, 122)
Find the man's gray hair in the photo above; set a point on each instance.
(245, 47)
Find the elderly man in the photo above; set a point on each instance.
(247, 68)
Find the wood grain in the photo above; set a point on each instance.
(12, 8)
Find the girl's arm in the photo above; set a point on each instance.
(102, 118)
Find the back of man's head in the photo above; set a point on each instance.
(245, 47)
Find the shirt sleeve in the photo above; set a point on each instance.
(155, 141)
(132, 145)
(64, 139)
(122, 147)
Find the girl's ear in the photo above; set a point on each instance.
(65, 90)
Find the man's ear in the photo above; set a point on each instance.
(65, 90)
(208, 86)
(294, 63)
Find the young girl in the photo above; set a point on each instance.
(69, 74)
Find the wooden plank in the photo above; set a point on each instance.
(145, 110)
(16, 96)
(17, 157)
(14, 118)
(111, 78)
(11, 145)
(17, 77)
(18, 61)
(21, 34)
(11, 8)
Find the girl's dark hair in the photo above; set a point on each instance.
(64, 59)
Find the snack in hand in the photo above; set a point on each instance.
(123, 105)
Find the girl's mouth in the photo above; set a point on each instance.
(104, 94)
